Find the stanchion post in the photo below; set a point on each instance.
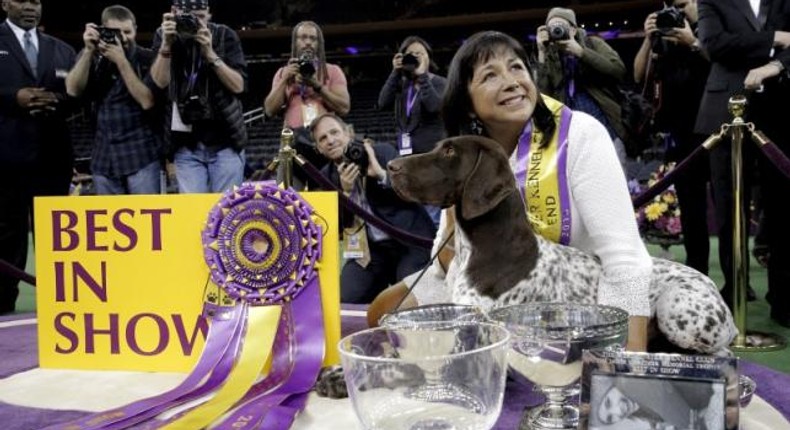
(286, 156)
(737, 107)
(745, 341)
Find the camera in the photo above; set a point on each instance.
(194, 109)
(306, 63)
(669, 18)
(187, 25)
(355, 153)
(558, 31)
(410, 63)
(109, 35)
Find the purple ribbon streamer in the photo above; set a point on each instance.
(309, 354)
(215, 380)
(218, 340)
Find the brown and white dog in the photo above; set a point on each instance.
(501, 261)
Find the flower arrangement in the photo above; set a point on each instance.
(659, 219)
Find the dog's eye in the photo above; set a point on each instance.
(449, 151)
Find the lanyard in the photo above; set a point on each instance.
(411, 97)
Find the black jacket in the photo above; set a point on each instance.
(23, 138)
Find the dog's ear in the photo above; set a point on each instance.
(487, 185)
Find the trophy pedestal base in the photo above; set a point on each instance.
(550, 417)
(755, 341)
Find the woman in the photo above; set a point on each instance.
(415, 94)
(490, 92)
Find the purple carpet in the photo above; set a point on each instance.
(18, 350)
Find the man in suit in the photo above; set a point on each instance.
(748, 41)
(35, 149)
(374, 260)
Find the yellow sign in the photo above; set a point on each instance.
(121, 280)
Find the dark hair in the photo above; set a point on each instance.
(457, 103)
(320, 53)
(119, 13)
(417, 39)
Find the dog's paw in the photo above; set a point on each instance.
(331, 383)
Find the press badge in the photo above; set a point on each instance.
(177, 124)
(404, 144)
(355, 243)
(309, 113)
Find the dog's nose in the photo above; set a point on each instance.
(394, 166)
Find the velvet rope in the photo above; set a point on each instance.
(777, 157)
(8, 269)
(667, 180)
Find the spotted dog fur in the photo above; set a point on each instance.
(501, 261)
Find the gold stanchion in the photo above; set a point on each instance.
(745, 341)
(285, 158)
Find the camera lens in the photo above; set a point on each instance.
(306, 64)
(558, 31)
(410, 62)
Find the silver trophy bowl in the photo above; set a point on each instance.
(436, 313)
(546, 346)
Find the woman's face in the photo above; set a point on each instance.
(615, 406)
(502, 91)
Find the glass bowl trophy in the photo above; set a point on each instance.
(430, 376)
(546, 346)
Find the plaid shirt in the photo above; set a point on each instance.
(126, 140)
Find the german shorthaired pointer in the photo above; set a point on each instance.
(473, 174)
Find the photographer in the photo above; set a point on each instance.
(305, 88)
(582, 72)
(673, 68)
(374, 259)
(203, 68)
(416, 96)
(112, 72)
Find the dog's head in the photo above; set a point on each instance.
(469, 171)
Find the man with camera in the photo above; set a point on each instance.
(582, 72)
(201, 65)
(749, 47)
(112, 73)
(305, 88)
(673, 68)
(374, 259)
(35, 148)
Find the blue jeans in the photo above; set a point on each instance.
(144, 181)
(208, 170)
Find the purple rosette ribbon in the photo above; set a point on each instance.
(261, 244)
(262, 247)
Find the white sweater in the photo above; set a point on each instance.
(602, 223)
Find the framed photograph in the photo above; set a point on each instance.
(635, 391)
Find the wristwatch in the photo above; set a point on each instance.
(217, 61)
